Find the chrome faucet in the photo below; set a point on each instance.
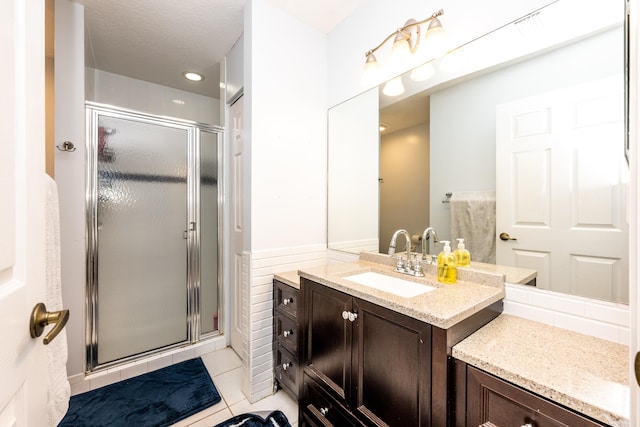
(401, 267)
(425, 243)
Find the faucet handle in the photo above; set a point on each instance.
(399, 264)
(417, 270)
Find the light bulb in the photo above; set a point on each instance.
(401, 51)
(423, 72)
(394, 87)
(371, 72)
(435, 38)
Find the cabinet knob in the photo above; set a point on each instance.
(324, 411)
(349, 315)
(286, 366)
(287, 333)
(287, 301)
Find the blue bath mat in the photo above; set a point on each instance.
(158, 398)
(274, 419)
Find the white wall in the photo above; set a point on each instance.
(286, 120)
(69, 170)
(125, 92)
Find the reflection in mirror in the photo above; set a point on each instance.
(454, 116)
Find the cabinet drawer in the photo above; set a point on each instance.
(287, 333)
(321, 410)
(286, 369)
(492, 401)
(286, 299)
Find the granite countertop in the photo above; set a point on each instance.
(443, 307)
(517, 275)
(584, 373)
(290, 278)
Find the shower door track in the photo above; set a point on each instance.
(192, 281)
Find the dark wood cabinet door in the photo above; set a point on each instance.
(391, 367)
(328, 339)
(321, 410)
(492, 400)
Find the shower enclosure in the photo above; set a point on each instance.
(154, 203)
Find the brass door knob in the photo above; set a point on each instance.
(505, 237)
(40, 318)
(636, 367)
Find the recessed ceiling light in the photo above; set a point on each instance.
(193, 76)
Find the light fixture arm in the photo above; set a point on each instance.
(403, 30)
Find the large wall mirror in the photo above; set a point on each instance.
(455, 133)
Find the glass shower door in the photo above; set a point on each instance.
(142, 199)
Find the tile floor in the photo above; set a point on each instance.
(225, 368)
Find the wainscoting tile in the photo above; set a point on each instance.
(528, 312)
(515, 293)
(587, 327)
(556, 302)
(609, 313)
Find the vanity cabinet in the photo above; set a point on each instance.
(364, 364)
(488, 401)
(287, 339)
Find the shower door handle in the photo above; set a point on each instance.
(192, 227)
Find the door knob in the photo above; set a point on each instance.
(636, 366)
(40, 318)
(505, 237)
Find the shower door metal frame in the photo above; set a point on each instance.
(192, 282)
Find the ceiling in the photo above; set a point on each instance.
(156, 40)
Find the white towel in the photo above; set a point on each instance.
(59, 390)
(473, 218)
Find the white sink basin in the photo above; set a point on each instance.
(393, 285)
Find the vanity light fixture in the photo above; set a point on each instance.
(193, 76)
(405, 44)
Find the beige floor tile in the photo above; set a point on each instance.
(229, 386)
(221, 361)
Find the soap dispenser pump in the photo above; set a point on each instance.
(447, 272)
(463, 256)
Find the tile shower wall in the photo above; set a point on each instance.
(125, 92)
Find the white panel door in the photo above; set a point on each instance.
(23, 369)
(237, 319)
(561, 189)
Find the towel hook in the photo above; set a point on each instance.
(447, 198)
(67, 146)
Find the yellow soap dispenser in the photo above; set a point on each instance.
(463, 256)
(447, 272)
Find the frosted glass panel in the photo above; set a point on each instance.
(208, 232)
(142, 214)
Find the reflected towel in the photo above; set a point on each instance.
(473, 218)
(59, 390)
